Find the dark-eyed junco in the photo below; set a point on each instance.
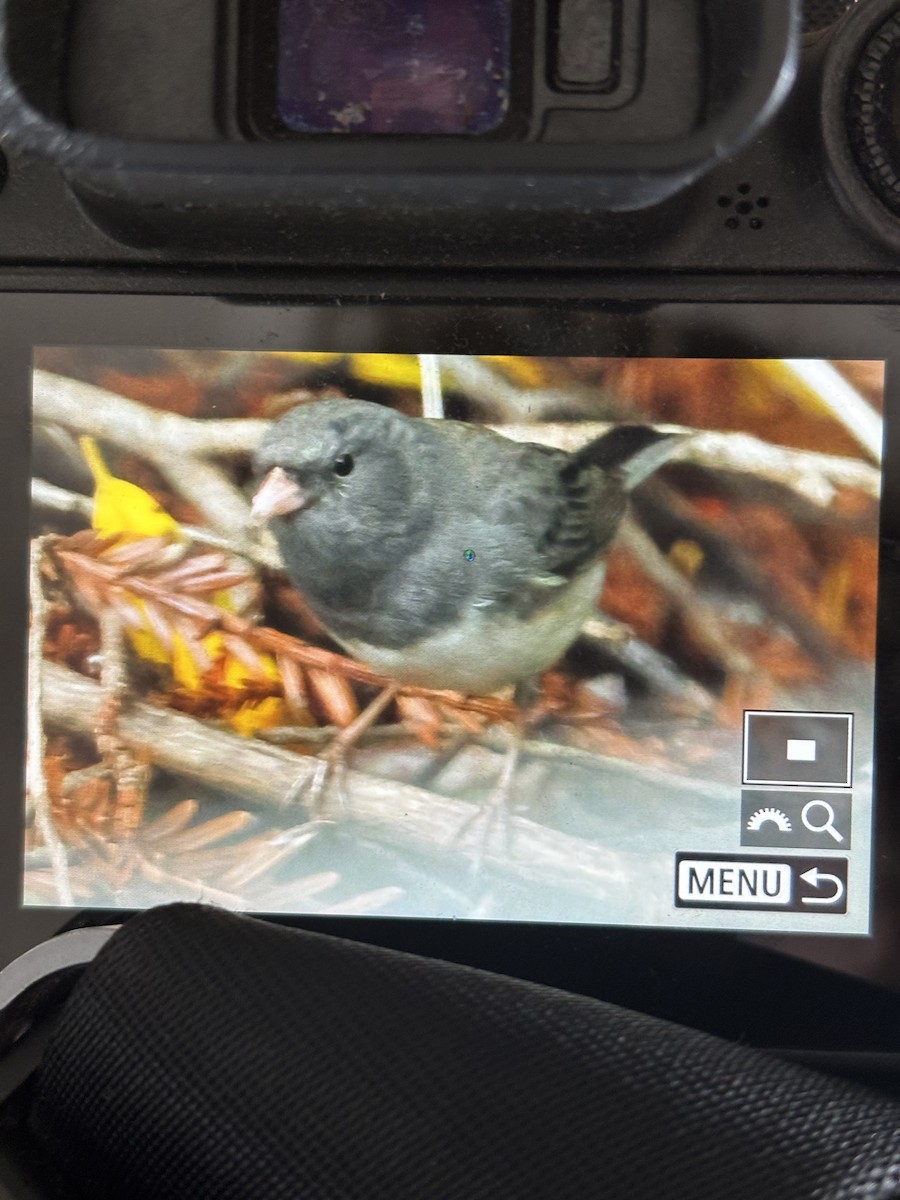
(441, 553)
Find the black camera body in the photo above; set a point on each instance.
(748, 139)
(634, 172)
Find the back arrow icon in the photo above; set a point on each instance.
(814, 878)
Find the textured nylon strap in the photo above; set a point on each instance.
(210, 1055)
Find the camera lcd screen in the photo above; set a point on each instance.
(675, 719)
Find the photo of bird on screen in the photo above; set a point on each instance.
(420, 634)
(442, 553)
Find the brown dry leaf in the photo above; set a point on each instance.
(72, 640)
(293, 686)
(423, 719)
(214, 673)
(174, 821)
(206, 834)
(81, 792)
(334, 695)
(867, 376)
(168, 391)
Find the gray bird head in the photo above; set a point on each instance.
(336, 481)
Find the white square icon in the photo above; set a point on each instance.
(801, 750)
(797, 749)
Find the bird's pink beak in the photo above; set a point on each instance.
(277, 496)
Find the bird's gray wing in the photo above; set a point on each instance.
(555, 515)
(579, 527)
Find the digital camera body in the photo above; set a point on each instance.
(693, 140)
(669, 178)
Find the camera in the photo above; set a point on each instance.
(750, 138)
(544, 219)
(450, 502)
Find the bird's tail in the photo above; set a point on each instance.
(634, 451)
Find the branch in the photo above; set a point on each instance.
(697, 616)
(103, 414)
(432, 397)
(263, 775)
(162, 435)
(639, 660)
(837, 393)
(56, 499)
(664, 782)
(488, 387)
(36, 779)
(179, 447)
(666, 512)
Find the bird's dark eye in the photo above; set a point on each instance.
(343, 464)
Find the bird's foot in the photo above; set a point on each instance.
(327, 780)
(329, 776)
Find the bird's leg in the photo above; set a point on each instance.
(494, 814)
(331, 764)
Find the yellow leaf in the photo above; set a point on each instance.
(259, 714)
(527, 372)
(388, 370)
(148, 646)
(214, 645)
(315, 357)
(238, 673)
(122, 509)
(687, 556)
(184, 664)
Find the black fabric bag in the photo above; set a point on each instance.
(206, 1055)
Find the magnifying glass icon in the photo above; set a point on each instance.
(827, 826)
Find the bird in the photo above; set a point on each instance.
(439, 552)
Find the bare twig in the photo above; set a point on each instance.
(816, 478)
(321, 735)
(697, 617)
(490, 390)
(48, 495)
(126, 423)
(658, 673)
(670, 514)
(57, 499)
(39, 798)
(839, 395)
(129, 777)
(432, 398)
(113, 671)
(395, 813)
(210, 489)
(662, 782)
(180, 448)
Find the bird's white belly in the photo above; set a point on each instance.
(489, 649)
